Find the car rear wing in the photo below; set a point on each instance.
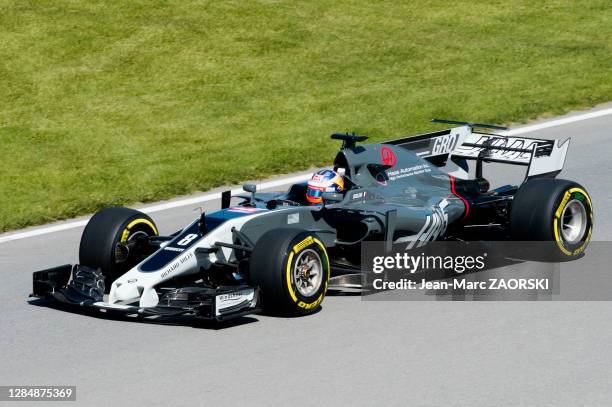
(543, 158)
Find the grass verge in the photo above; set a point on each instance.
(120, 102)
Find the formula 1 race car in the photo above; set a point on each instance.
(278, 250)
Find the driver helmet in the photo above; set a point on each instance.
(323, 181)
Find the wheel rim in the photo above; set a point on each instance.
(573, 221)
(122, 251)
(307, 272)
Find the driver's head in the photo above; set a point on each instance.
(323, 181)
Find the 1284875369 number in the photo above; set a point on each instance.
(36, 393)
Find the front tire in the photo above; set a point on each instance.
(292, 269)
(103, 243)
(553, 210)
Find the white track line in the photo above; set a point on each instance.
(560, 122)
(7, 237)
(211, 197)
(150, 209)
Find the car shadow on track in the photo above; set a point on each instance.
(167, 320)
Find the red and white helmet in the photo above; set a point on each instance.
(323, 181)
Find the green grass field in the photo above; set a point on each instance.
(132, 101)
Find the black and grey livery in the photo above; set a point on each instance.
(277, 251)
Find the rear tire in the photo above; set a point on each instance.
(553, 210)
(292, 269)
(103, 236)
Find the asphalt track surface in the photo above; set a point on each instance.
(352, 352)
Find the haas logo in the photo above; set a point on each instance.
(434, 227)
(388, 157)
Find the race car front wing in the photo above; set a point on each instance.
(80, 286)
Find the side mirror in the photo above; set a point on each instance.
(332, 197)
(252, 188)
